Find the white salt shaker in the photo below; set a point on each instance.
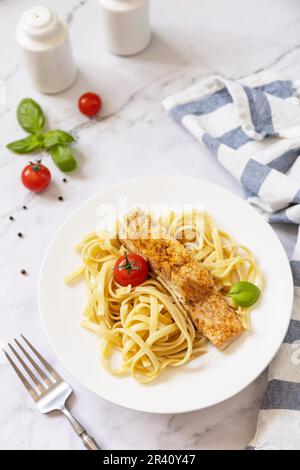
(44, 39)
(125, 25)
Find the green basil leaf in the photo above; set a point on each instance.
(30, 116)
(244, 294)
(63, 158)
(57, 137)
(27, 145)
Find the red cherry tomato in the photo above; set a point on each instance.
(89, 104)
(131, 269)
(36, 177)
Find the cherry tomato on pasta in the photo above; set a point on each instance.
(89, 104)
(36, 177)
(131, 269)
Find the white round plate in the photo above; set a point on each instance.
(207, 380)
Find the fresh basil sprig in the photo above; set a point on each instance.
(63, 158)
(27, 145)
(244, 294)
(53, 138)
(31, 118)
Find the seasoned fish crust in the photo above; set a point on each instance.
(192, 284)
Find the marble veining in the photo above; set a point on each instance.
(132, 137)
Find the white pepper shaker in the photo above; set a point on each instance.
(125, 25)
(44, 39)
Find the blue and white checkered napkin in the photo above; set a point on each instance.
(253, 128)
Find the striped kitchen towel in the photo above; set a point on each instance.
(252, 127)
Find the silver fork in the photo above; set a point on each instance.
(50, 391)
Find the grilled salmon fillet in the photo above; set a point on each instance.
(192, 284)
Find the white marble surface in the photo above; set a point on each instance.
(132, 137)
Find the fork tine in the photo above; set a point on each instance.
(34, 364)
(43, 361)
(35, 380)
(23, 379)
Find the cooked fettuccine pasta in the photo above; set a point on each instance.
(147, 324)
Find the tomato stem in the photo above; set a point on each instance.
(129, 265)
(35, 166)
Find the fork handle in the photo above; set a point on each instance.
(87, 440)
